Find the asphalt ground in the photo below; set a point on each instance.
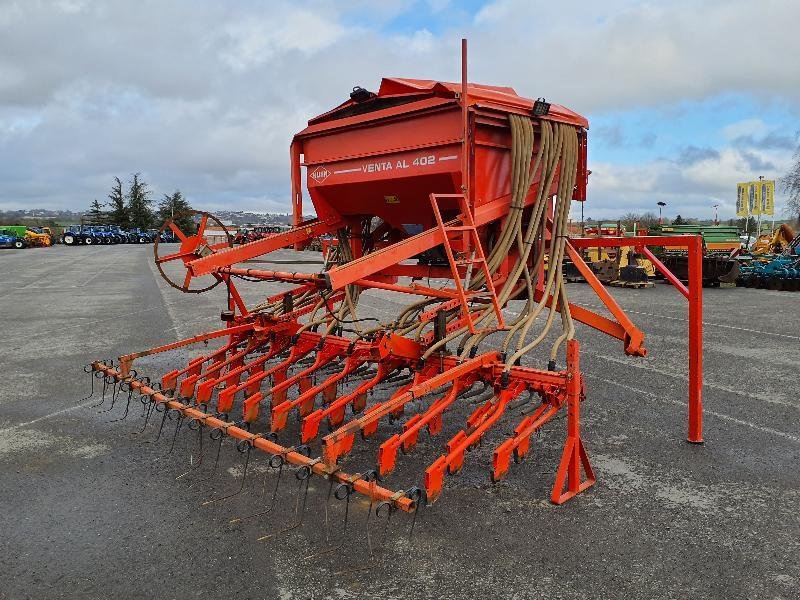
(89, 509)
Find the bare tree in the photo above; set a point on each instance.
(790, 183)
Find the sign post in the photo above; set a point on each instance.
(755, 198)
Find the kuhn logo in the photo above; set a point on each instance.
(320, 174)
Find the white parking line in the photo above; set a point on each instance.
(705, 323)
(724, 417)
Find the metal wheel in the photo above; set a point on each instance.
(192, 247)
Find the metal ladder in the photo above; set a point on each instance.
(469, 234)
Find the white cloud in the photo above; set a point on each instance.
(746, 127)
(688, 189)
(206, 96)
(255, 41)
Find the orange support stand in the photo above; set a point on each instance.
(696, 341)
(574, 456)
(693, 293)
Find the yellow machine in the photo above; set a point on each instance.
(775, 242)
(622, 266)
(35, 238)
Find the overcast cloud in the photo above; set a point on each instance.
(690, 96)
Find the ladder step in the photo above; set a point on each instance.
(469, 261)
(460, 228)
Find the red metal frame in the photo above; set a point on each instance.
(693, 293)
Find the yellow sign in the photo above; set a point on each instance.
(742, 209)
(755, 198)
(767, 197)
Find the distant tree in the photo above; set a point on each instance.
(790, 184)
(139, 203)
(629, 219)
(96, 214)
(174, 206)
(118, 215)
(647, 219)
(678, 220)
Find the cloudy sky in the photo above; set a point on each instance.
(684, 97)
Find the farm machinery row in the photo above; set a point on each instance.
(455, 196)
(629, 266)
(89, 235)
(773, 262)
(25, 236)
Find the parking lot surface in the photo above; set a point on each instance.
(88, 509)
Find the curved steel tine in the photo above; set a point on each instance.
(390, 510)
(161, 425)
(327, 519)
(417, 494)
(303, 474)
(105, 388)
(127, 407)
(92, 375)
(117, 389)
(195, 466)
(343, 492)
(215, 434)
(147, 404)
(248, 445)
(276, 462)
(372, 483)
(178, 424)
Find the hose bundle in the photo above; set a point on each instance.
(526, 234)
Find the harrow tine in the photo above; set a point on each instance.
(215, 434)
(148, 404)
(303, 474)
(418, 495)
(127, 407)
(343, 492)
(163, 410)
(115, 392)
(199, 463)
(327, 516)
(92, 376)
(106, 382)
(178, 424)
(372, 480)
(390, 510)
(276, 462)
(373, 477)
(243, 446)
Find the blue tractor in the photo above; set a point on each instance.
(142, 236)
(8, 240)
(79, 234)
(123, 236)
